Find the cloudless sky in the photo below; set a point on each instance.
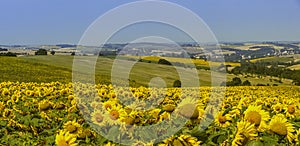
(64, 21)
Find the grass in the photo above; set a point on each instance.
(187, 61)
(295, 67)
(59, 68)
(273, 59)
(27, 70)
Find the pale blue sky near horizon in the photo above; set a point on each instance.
(36, 22)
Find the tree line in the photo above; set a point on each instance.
(267, 69)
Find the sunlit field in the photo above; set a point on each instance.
(39, 106)
(50, 113)
(59, 68)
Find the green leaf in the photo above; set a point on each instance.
(267, 140)
(3, 123)
(87, 140)
(221, 138)
(254, 143)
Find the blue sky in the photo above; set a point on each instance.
(64, 21)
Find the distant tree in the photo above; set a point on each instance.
(177, 83)
(41, 52)
(246, 83)
(236, 81)
(73, 54)
(52, 52)
(164, 61)
(9, 54)
(3, 49)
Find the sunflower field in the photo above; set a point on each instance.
(52, 114)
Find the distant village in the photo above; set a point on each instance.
(229, 51)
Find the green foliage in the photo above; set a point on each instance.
(246, 83)
(41, 52)
(164, 61)
(52, 52)
(268, 69)
(9, 54)
(177, 83)
(236, 81)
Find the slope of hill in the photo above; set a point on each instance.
(59, 68)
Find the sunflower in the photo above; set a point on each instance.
(72, 127)
(234, 112)
(109, 104)
(277, 108)
(98, 118)
(44, 105)
(259, 101)
(97, 105)
(222, 120)
(182, 140)
(190, 108)
(297, 137)
(29, 93)
(115, 113)
(291, 111)
(169, 107)
(83, 133)
(129, 117)
(280, 125)
(64, 138)
(164, 116)
(246, 131)
(257, 116)
(5, 92)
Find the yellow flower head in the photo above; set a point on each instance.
(257, 116)
(114, 114)
(184, 140)
(291, 111)
(98, 117)
(44, 105)
(222, 120)
(280, 125)
(72, 127)
(277, 108)
(246, 131)
(64, 138)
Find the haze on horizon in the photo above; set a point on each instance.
(35, 22)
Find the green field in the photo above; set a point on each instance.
(59, 68)
(274, 59)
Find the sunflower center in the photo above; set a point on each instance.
(71, 128)
(107, 106)
(222, 119)
(114, 114)
(254, 118)
(99, 118)
(279, 128)
(277, 108)
(291, 109)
